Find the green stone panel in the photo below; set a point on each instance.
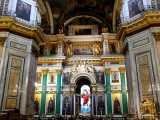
(58, 94)
(43, 98)
(109, 99)
(124, 94)
(125, 103)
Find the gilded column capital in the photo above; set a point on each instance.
(156, 36)
(2, 40)
(45, 71)
(107, 70)
(59, 71)
(122, 70)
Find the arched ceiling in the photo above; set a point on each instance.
(63, 11)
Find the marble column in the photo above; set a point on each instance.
(123, 88)
(93, 105)
(58, 93)
(105, 43)
(108, 90)
(44, 87)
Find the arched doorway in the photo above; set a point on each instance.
(83, 96)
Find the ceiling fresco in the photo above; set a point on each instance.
(63, 10)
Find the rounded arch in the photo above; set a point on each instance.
(83, 75)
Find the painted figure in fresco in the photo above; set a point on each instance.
(114, 75)
(51, 105)
(52, 79)
(67, 105)
(38, 78)
(85, 96)
(138, 4)
(117, 109)
(23, 10)
(36, 106)
(101, 105)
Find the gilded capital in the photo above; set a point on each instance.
(108, 70)
(122, 70)
(156, 35)
(2, 40)
(59, 71)
(45, 71)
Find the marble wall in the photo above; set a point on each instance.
(142, 68)
(17, 74)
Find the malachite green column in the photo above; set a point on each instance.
(123, 88)
(44, 87)
(108, 88)
(58, 93)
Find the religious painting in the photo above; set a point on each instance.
(66, 78)
(11, 103)
(66, 105)
(115, 76)
(52, 78)
(85, 100)
(100, 105)
(37, 101)
(38, 78)
(83, 49)
(135, 7)
(158, 4)
(117, 104)
(113, 47)
(50, 103)
(100, 77)
(83, 32)
(23, 10)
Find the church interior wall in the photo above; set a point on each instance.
(142, 53)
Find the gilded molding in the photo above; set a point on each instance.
(59, 71)
(147, 19)
(108, 70)
(45, 71)
(12, 25)
(122, 70)
(156, 36)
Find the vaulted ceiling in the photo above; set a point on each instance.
(80, 12)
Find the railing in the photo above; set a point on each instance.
(147, 8)
(13, 14)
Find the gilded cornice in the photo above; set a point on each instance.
(122, 70)
(49, 61)
(12, 25)
(147, 19)
(45, 71)
(113, 59)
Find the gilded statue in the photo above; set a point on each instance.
(68, 49)
(97, 49)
